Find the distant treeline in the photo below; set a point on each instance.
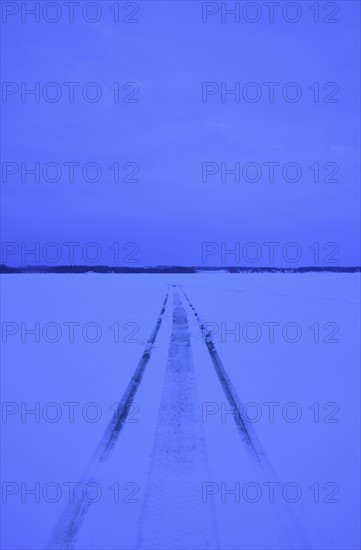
(171, 269)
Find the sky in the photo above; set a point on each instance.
(168, 127)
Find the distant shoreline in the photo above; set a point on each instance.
(4, 269)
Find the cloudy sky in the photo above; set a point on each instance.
(162, 139)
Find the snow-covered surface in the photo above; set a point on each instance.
(305, 372)
(173, 505)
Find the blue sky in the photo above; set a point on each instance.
(170, 132)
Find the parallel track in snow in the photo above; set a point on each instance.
(292, 532)
(65, 534)
(245, 429)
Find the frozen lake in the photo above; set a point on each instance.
(181, 470)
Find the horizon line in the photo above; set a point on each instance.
(101, 268)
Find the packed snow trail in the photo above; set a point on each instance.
(174, 515)
(65, 534)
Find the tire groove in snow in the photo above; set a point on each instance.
(173, 515)
(66, 531)
(293, 533)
